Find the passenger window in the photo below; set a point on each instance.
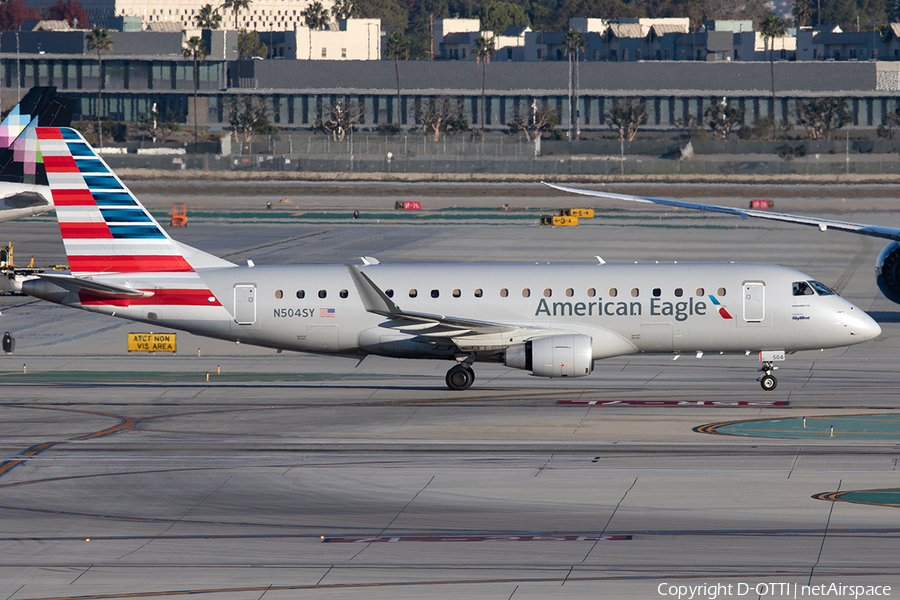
(322, 293)
(570, 292)
(435, 293)
(701, 292)
(635, 292)
(657, 292)
(279, 294)
(389, 293)
(526, 292)
(720, 292)
(343, 294)
(504, 292)
(613, 292)
(679, 292)
(547, 293)
(457, 293)
(478, 293)
(591, 292)
(301, 294)
(413, 293)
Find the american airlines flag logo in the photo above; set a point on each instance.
(326, 312)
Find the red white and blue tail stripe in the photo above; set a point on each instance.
(104, 228)
(110, 238)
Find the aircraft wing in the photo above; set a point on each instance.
(431, 325)
(891, 233)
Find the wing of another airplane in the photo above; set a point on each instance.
(890, 233)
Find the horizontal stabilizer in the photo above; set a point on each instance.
(77, 285)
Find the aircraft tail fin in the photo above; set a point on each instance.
(105, 229)
(40, 107)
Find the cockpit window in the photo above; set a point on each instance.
(801, 288)
(821, 289)
(810, 288)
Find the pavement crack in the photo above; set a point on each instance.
(608, 521)
(547, 462)
(324, 575)
(794, 464)
(79, 576)
(176, 521)
(397, 516)
(824, 535)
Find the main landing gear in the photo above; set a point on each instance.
(460, 377)
(768, 381)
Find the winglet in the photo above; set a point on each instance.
(374, 300)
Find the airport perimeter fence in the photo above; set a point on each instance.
(506, 155)
(632, 165)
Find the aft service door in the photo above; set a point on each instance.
(754, 301)
(245, 304)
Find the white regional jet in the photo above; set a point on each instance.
(887, 266)
(553, 320)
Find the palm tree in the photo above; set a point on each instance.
(484, 49)
(235, 6)
(397, 45)
(573, 43)
(99, 40)
(801, 12)
(316, 16)
(208, 18)
(772, 27)
(343, 9)
(196, 50)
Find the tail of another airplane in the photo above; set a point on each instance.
(104, 227)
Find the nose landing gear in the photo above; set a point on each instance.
(768, 381)
(460, 377)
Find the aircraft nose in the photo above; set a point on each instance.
(871, 329)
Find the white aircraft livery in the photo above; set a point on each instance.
(887, 266)
(553, 320)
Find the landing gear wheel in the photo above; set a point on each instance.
(768, 382)
(460, 377)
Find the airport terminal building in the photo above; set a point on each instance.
(296, 90)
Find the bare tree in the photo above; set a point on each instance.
(340, 118)
(534, 121)
(723, 118)
(821, 116)
(436, 113)
(248, 115)
(626, 117)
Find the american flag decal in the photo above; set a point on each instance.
(326, 312)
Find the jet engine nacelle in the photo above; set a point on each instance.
(887, 268)
(563, 355)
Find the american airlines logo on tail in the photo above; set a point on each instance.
(104, 228)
